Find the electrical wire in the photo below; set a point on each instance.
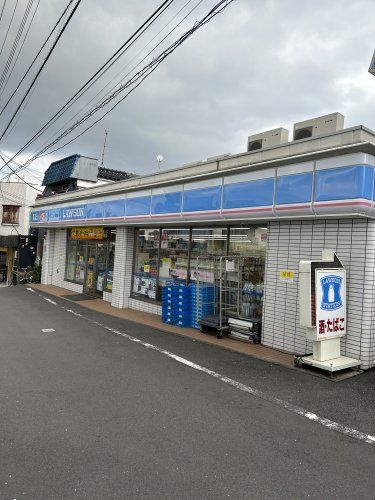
(2, 10)
(13, 171)
(42, 66)
(11, 20)
(136, 80)
(36, 56)
(128, 64)
(16, 42)
(102, 69)
(19, 52)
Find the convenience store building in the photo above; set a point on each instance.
(278, 203)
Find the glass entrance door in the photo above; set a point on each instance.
(91, 269)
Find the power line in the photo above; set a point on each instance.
(19, 52)
(136, 80)
(128, 63)
(2, 10)
(11, 20)
(42, 66)
(13, 171)
(104, 67)
(37, 55)
(16, 42)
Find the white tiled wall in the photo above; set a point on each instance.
(353, 240)
(123, 267)
(53, 262)
(142, 305)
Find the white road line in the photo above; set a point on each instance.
(50, 301)
(30, 290)
(325, 422)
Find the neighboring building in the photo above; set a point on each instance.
(16, 200)
(278, 203)
(78, 172)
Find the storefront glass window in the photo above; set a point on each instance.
(146, 263)
(174, 255)
(206, 244)
(80, 262)
(250, 243)
(110, 266)
(71, 260)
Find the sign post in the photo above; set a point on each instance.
(323, 311)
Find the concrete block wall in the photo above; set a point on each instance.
(53, 262)
(353, 240)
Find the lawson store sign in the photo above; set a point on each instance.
(329, 186)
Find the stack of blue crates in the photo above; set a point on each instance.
(167, 303)
(182, 305)
(176, 304)
(202, 302)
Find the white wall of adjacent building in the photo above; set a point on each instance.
(17, 194)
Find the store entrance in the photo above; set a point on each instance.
(95, 269)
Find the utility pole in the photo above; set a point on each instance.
(104, 146)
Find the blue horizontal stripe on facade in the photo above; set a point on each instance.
(332, 184)
(114, 208)
(296, 188)
(95, 210)
(138, 206)
(249, 194)
(344, 183)
(166, 203)
(197, 200)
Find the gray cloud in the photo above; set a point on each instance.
(259, 65)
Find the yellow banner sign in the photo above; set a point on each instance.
(88, 233)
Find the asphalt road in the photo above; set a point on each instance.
(88, 414)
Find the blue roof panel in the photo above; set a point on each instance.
(60, 170)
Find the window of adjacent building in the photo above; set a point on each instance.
(10, 214)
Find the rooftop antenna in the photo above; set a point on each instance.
(159, 159)
(372, 65)
(104, 146)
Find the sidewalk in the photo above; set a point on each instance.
(154, 321)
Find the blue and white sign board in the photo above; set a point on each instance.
(330, 303)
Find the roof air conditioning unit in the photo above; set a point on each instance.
(266, 139)
(318, 126)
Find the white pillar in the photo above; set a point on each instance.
(123, 266)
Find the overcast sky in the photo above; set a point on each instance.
(259, 65)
